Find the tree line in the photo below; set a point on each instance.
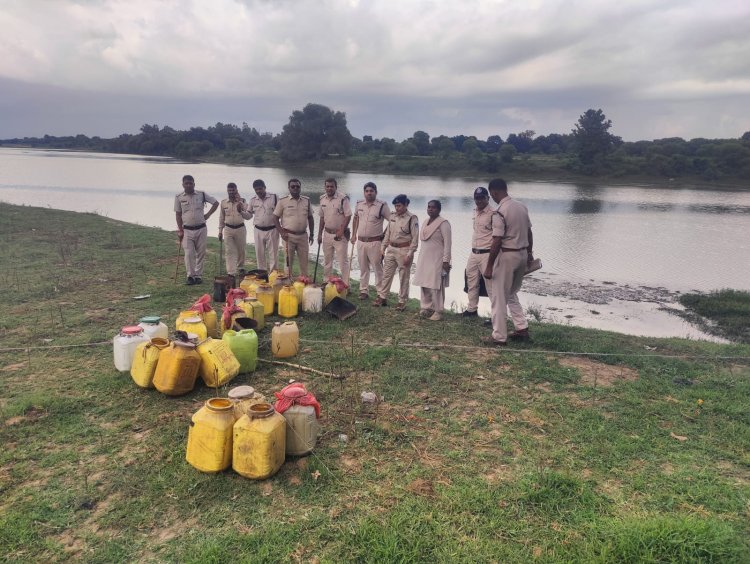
(317, 132)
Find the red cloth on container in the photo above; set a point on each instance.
(295, 394)
(235, 294)
(339, 283)
(228, 312)
(203, 304)
(304, 279)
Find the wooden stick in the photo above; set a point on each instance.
(303, 368)
(177, 264)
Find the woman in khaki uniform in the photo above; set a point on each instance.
(399, 245)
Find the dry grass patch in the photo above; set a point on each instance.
(594, 373)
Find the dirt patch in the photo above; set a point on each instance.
(32, 414)
(594, 373)
(501, 473)
(351, 464)
(529, 417)
(422, 487)
(16, 366)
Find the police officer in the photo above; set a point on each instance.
(191, 226)
(481, 241)
(333, 232)
(512, 244)
(293, 215)
(367, 233)
(232, 213)
(397, 251)
(266, 235)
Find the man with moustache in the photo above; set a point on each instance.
(191, 226)
(333, 232)
(481, 241)
(265, 234)
(232, 213)
(293, 216)
(367, 233)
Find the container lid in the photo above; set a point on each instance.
(192, 337)
(151, 319)
(192, 319)
(241, 392)
(219, 404)
(260, 410)
(131, 330)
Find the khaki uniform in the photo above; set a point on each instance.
(435, 250)
(293, 215)
(266, 236)
(399, 243)
(194, 229)
(232, 222)
(512, 227)
(370, 219)
(335, 212)
(481, 241)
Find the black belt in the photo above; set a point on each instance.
(296, 232)
(513, 250)
(331, 231)
(268, 228)
(480, 251)
(371, 239)
(234, 226)
(194, 227)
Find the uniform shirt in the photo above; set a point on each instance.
(484, 221)
(402, 229)
(262, 210)
(293, 213)
(191, 207)
(334, 210)
(230, 215)
(371, 217)
(513, 225)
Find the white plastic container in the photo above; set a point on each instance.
(312, 299)
(153, 327)
(302, 429)
(125, 344)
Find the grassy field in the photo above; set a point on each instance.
(727, 312)
(631, 449)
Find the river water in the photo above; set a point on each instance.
(614, 255)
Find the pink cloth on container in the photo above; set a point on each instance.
(295, 394)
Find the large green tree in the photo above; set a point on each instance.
(315, 132)
(591, 137)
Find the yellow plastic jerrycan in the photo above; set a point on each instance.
(243, 397)
(272, 276)
(218, 363)
(330, 293)
(193, 325)
(145, 360)
(288, 302)
(254, 310)
(264, 293)
(177, 369)
(299, 287)
(249, 284)
(259, 442)
(211, 322)
(209, 447)
(285, 339)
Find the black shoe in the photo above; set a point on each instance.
(487, 323)
(190, 281)
(520, 335)
(198, 280)
(468, 313)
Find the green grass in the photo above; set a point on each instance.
(728, 312)
(474, 454)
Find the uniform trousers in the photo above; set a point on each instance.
(339, 248)
(298, 245)
(394, 260)
(475, 267)
(267, 243)
(368, 255)
(235, 241)
(194, 244)
(507, 276)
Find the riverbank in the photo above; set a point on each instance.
(583, 445)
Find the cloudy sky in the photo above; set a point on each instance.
(657, 68)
